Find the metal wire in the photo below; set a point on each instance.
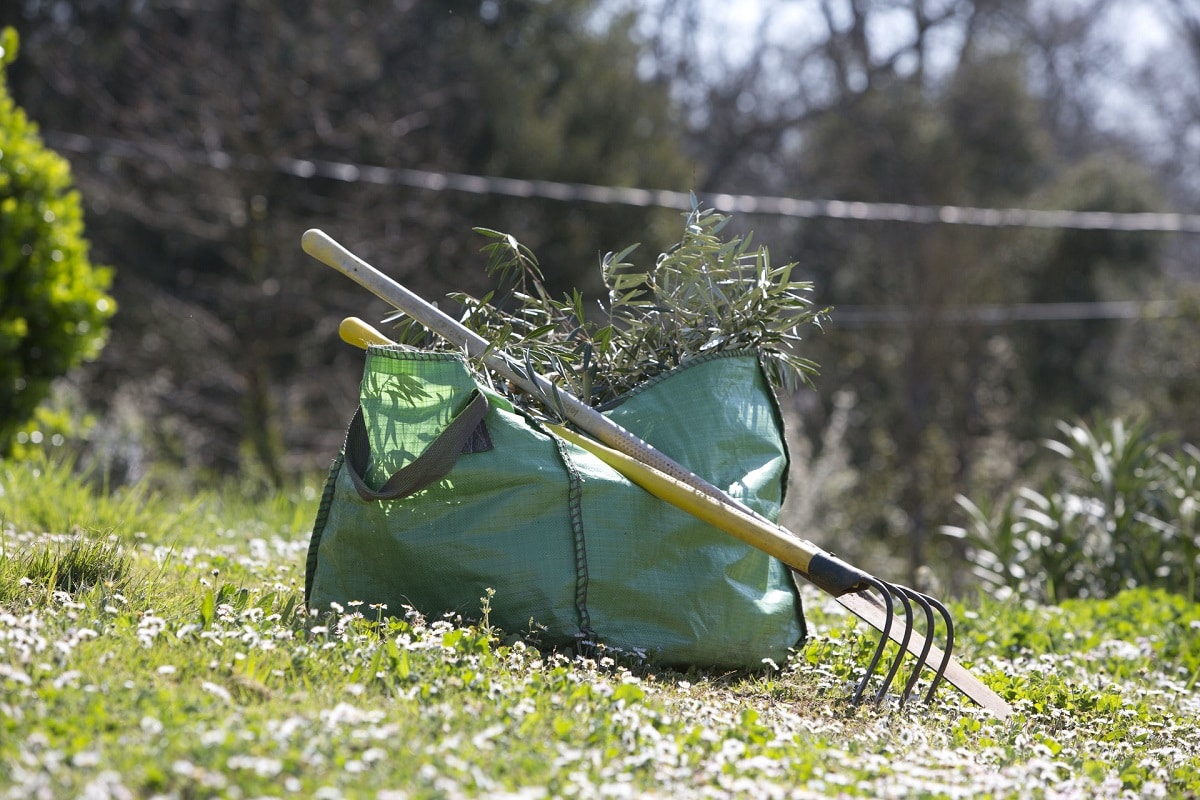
(804, 208)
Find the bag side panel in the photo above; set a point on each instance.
(497, 521)
(700, 595)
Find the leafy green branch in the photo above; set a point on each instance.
(703, 295)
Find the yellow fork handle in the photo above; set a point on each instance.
(358, 333)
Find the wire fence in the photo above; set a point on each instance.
(803, 208)
(885, 316)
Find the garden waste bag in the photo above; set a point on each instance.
(446, 492)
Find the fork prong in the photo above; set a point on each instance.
(880, 587)
(906, 636)
(947, 651)
(923, 658)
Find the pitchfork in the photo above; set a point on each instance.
(865, 595)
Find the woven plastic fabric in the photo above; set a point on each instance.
(575, 553)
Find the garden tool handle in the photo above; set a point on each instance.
(833, 576)
(322, 247)
(824, 570)
(827, 572)
(360, 334)
(843, 581)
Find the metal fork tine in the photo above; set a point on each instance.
(947, 651)
(880, 587)
(908, 630)
(923, 658)
(867, 606)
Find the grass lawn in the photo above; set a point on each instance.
(156, 645)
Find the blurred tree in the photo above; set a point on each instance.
(1069, 369)
(196, 115)
(928, 102)
(1169, 90)
(1159, 372)
(54, 311)
(191, 123)
(974, 140)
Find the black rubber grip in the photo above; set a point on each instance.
(830, 574)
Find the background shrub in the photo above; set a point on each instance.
(53, 308)
(1118, 511)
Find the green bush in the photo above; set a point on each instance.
(54, 309)
(1118, 511)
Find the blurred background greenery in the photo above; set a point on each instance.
(204, 136)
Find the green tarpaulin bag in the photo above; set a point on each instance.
(444, 490)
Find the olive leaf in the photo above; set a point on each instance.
(705, 294)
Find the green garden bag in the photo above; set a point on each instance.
(445, 490)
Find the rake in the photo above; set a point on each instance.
(890, 608)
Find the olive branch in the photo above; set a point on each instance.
(703, 295)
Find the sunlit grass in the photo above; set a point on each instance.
(70, 565)
(172, 656)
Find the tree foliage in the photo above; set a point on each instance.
(54, 309)
(197, 121)
(942, 102)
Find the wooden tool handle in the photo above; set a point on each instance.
(826, 571)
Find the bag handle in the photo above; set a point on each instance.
(432, 465)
